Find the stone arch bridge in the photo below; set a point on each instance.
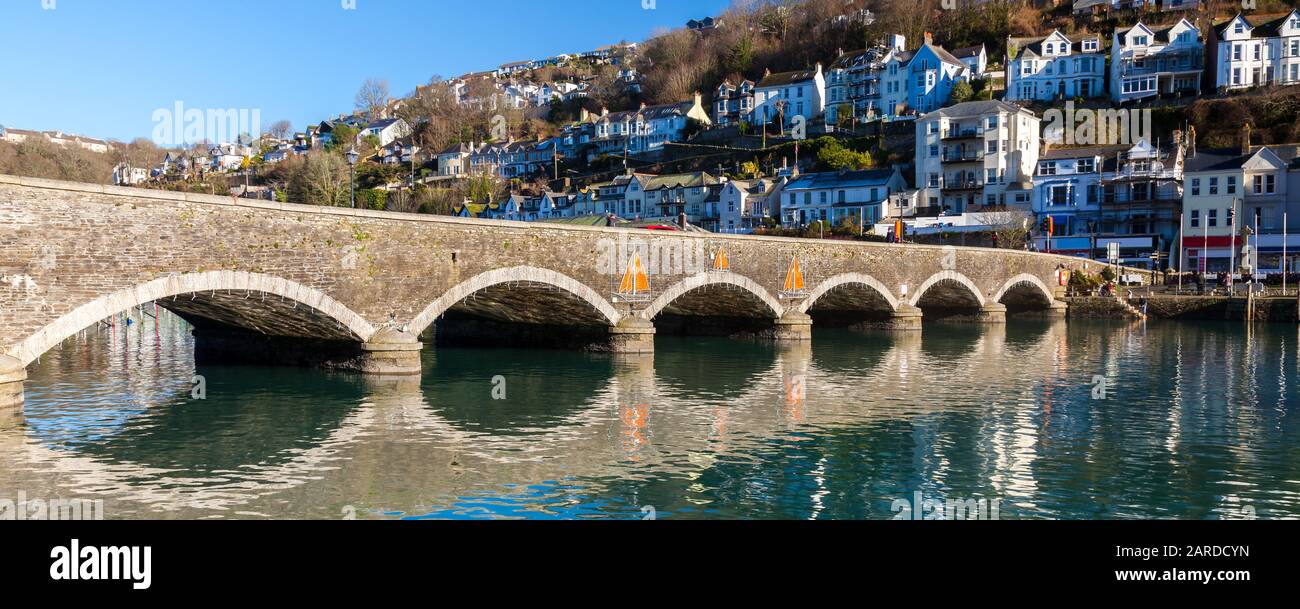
(356, 289)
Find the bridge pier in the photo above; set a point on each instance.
(905, 318)
(632, 335)
(389, 353)
(793, 327)
(12, 375)
(1058, 310)
(992, 313)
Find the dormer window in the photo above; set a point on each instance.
(1140, 41)
(1239, 28)
(1089, 45)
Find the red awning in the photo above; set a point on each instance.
(1212, 242)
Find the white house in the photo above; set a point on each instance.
(1146, 61)
(124, 174)
(454, 161)
(387, 130)
(976, 59)
(785, 95)
(743, 205)
(650, 127)
(1254, 51)
(1055, 67)
(976, 155)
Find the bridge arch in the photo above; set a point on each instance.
(172, 286)
(950, 277)
(849, 279)
(1025, 280)
(517, 274)
(704, 280)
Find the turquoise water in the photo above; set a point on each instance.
(1085, 420)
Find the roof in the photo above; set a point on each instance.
(841, 179)
(968, 52)
(1081, 152)
(680, 180)
(383, 123)
(977, 108)
(1263, 26)
(650, 112)
(460, 148)
(1033, 46)
(1080, 5)
(1224, 159)
(781, 79)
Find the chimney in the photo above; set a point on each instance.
(699, 98)
(929, 38)
(767, 72)
(584, 115)
(1245, 139)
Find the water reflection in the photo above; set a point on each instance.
(1193, 423)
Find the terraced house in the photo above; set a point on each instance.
(1227, 192)
(782, 96)
(1254, 51)
(669, 196)
(856, 196)
(853, 82)
(1159, 60)
(920, 81)
(1054, 67)
(649, 128)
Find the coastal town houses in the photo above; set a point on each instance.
(58, 138)
(666, 197)
(453, 162)
(835, 197)
(1055, 67)
(401, 151)
(976, 155)
(1150, 61)
(853, 82)
(1242, 195)
(649, 128)
(733, 103)
(125, 174)
(920, 81)
(386, 130)
(976, 59)
(1254, 51)
(781, 96)
(744, 205)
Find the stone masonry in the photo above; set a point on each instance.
(374, 282)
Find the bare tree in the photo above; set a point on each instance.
(1011, 227)
(280, 129)
(372, 98)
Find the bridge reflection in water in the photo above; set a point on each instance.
(1197, 422)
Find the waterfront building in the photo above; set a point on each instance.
(1150, 61)
(976, 155)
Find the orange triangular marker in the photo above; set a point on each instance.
(794, 277)
(634, 279)
(720, 261)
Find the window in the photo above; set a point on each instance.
(1085, 166)
(991, 146)
(1047, 168)
(1196, 218)
(1196, 187)
(1213, 219)
(1265, 184)
(991, 176)
(1232, 185)
(843, 196)
(1214, 186)
(1140, 41)
(993, 122)
(1236, 52)
(934, 150)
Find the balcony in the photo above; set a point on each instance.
(962, 134)
(962, 156)
(957, 185)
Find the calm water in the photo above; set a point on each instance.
(1196, 421)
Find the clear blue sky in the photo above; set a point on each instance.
(101, 67)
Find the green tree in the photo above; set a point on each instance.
(961, 92)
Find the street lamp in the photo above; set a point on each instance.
(352, 184)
